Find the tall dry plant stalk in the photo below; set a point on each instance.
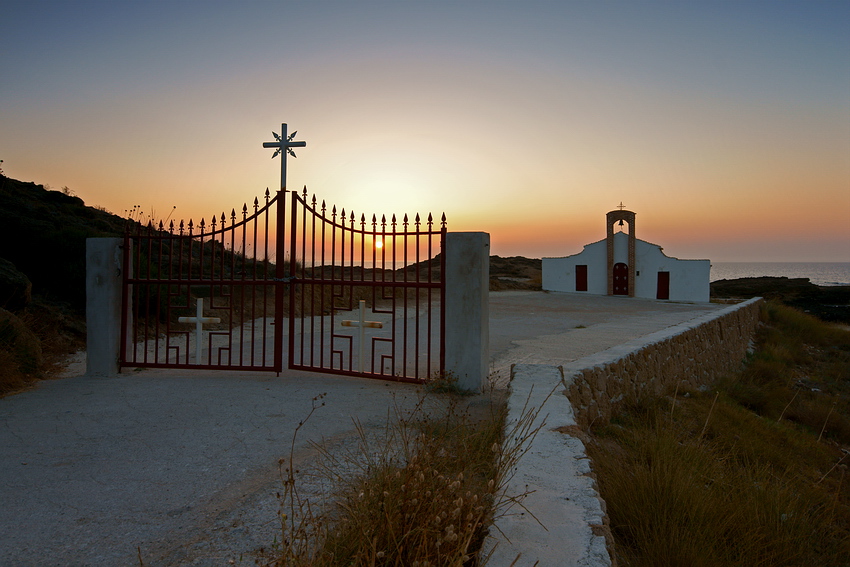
(822, 429)
(781, 415)
(708, 417)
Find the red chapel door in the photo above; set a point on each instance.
(663, 285)
(621, 279)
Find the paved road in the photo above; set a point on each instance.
(184, 466)
(93, 468)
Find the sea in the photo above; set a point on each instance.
(819, 273)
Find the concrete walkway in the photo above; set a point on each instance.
(528, 327)
(184, 466)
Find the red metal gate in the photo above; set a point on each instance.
(222, 294)
(340, 262)
(222, 270)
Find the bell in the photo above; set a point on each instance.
(621, 222)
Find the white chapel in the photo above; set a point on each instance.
(624, 265)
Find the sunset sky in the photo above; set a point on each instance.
(724, 125)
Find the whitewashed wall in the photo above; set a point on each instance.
(689, 279)
(559, 274)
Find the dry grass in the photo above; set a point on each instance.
(752, 489)
(423, 492)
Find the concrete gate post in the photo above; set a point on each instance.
(467, 308)
(104, 262)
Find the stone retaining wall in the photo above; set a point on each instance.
(692, 355)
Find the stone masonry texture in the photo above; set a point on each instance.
(691, 356)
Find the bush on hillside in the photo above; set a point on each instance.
(21, 358)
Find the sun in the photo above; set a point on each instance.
(379, 244)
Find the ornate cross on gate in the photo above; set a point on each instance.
(362, 323)
(199, 320)
(621, 206)
(283, 145)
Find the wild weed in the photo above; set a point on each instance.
(422, 491)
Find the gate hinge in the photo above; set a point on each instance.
(287, 279)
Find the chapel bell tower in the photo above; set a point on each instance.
(621, 276)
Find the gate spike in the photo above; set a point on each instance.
(314, 201)
(171, 228)
(342, 214)
(267, 194)
(244, 209)
(232, 216)
(212, 222)
(404, 222)
(160, 226)
(352, 217)
(384, 221)
(417, 221)
(430, 221)
(362, 220)
(181, 226)
(256, 204)
(443, 221)
(324, 208)
(190, 227)
(305, 192)
(223, 222)
(202, 224)
(392, 222)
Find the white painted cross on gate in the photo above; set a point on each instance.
(363, 324)
(199, 320)
(283, 145)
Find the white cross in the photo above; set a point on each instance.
(283, 145)
(199, 320)
(363, 324)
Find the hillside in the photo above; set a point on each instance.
(43, 233)
(828, 303)
(42, 278)
(515, 272)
